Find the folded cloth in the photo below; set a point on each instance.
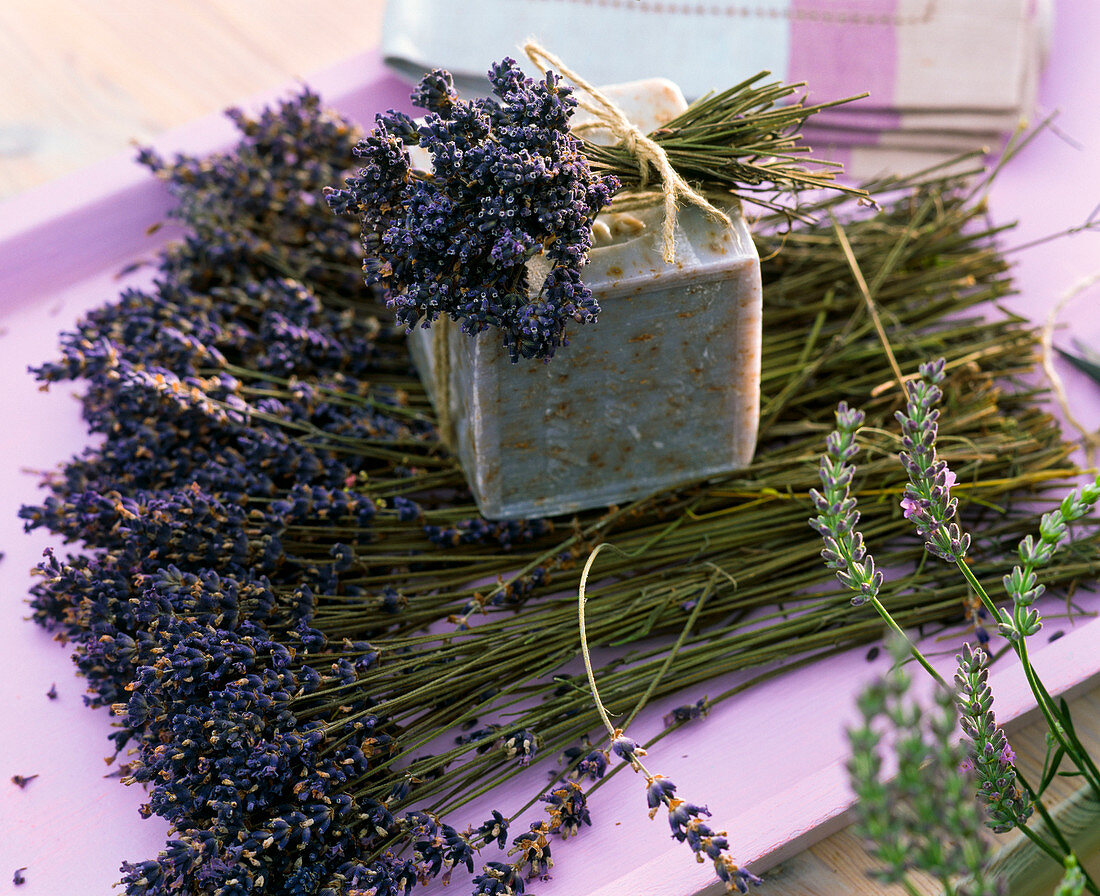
(944, 74)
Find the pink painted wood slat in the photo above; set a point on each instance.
(769, 764)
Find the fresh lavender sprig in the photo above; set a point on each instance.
(838, 516)
(1020, 584)
(927, 501)
(932, 509)
(844, 550)
(923, 818)
(990, 755)
(1074, 882)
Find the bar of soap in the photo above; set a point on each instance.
(662, 390)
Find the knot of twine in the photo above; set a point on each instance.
(643, 148)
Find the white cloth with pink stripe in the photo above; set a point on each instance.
(944, 76)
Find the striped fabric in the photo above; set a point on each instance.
(944, 76)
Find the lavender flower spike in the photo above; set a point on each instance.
(838, 516)
(990, 753)
(927, 500)
(1021, 584)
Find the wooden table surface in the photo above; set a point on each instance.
(83, 80)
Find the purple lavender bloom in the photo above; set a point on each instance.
(927, 501)
(837, 514)
(990, 754)
(509, 182)
(659, 789)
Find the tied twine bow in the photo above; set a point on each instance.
(646, 150)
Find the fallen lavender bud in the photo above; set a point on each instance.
(689, 712)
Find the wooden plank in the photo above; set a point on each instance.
(83, 80)
(839, 864)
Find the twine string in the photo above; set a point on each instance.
(644, 149)
(648, 154)
(1090, 440)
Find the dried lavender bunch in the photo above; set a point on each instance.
(509, 182)
(923, 818)
(326, 513)
(254, 209)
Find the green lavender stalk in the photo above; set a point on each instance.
(923, 818)
(928, 504)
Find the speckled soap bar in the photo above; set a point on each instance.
(663, 389)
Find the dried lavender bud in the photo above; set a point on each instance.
(990, 755)
(496, 828)
(498, 879)
(52, 692)
(524, 744)
(21, 781)
(625, 747)
(593, 766)
(534, 851)
(509, 182)
(17, 878)
(659, 789)
(688, 713)
(568, 808)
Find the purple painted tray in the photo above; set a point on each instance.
(769, 764)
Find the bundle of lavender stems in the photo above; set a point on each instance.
(283, 591)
